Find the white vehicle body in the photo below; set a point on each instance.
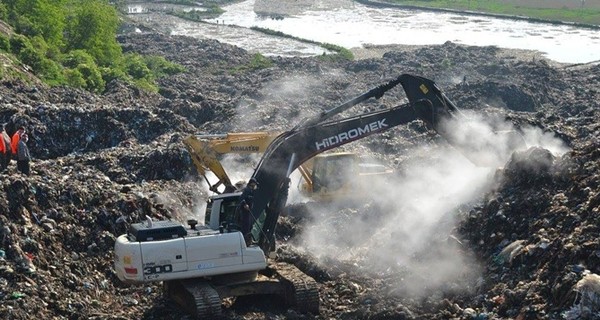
(201, 252)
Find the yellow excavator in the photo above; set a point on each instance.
(324, 177)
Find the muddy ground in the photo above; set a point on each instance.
(529, 242)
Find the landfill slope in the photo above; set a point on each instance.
(103, 161)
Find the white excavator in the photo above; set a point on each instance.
(202, 264)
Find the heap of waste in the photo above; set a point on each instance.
(526, 248)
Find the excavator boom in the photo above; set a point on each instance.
(206, 149)
(292, 148)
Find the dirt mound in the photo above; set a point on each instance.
(103, 161)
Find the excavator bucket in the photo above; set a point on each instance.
(419, 88)
(475, 139)
(205, 159)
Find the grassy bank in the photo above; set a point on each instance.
(209, 12)
(576, 15)
(340, 52)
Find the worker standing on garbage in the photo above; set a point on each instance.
(14, 142)
(23, 156)
(4, 153)
(7, 147)
(245, 209)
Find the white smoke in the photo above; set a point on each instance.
(279, 105)
(240, 168)
(536, 137)
(404, 229)
(180, 207)
(295, 194)
(491, 141)
(398, 230)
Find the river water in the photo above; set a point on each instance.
(352, 25)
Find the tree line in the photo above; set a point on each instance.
(73, 42)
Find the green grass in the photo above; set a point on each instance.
(257, 62)
(11, 69)
(576, 15)
(211, 12)
(341, 53)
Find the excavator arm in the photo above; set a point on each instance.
(205, 151)
(292, 148)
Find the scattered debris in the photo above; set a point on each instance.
(104, 161)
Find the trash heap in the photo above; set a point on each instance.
(536, 233)
(104, 161)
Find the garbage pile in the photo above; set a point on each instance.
(104, 161)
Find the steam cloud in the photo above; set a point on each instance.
(271, 116)
(402, 230)
(178, 209)
(491, 142)
(240, 167)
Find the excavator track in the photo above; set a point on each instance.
(198, 298)
(201, 298)
(301, 291)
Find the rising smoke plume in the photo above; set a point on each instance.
(404, 228)
(278, 107)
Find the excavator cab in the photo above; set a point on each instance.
(221, 212)
(333, 172)
(338, 175)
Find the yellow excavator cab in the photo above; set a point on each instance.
(339, 174)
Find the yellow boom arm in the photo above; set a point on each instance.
(206, 149)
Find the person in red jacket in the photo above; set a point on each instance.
(14, 142)
(7, 150)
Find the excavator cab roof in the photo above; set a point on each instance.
(226, 195)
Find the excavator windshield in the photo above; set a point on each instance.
(332, 173)
(225, 207)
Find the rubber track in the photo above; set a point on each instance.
(208, 302)
(303, 292)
